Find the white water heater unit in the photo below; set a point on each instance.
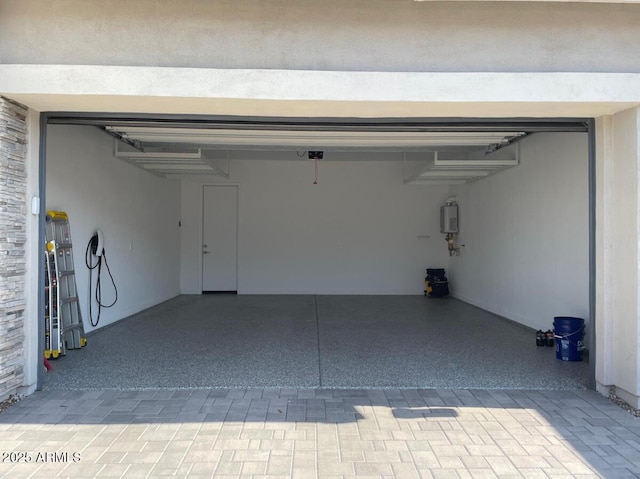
(449, 218)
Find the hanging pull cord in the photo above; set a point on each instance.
(315, 167)
(98, 291)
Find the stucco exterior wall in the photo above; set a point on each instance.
(618, 266)
(351, 35)
(357, 58)
(13, 185)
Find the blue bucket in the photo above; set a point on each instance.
(569, 336)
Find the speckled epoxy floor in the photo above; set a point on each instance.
(306, 341)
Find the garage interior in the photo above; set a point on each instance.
(323, 260)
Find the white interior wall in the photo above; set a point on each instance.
(137, 211)
(525, 235)
(359, 231)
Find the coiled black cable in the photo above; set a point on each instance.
(98, 291)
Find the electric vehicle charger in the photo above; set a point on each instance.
(95, 249)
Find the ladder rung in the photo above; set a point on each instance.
(67, 273)
(63, 245)
(73, 299)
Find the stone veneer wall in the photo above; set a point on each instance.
(13, 215)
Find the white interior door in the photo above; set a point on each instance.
(220, 238)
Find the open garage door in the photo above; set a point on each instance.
(362, 220)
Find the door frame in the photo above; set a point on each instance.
(201, 231)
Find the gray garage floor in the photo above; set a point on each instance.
(310, 341)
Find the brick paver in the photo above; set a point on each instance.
(321, 433)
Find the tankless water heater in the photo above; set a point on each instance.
(449, 218)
